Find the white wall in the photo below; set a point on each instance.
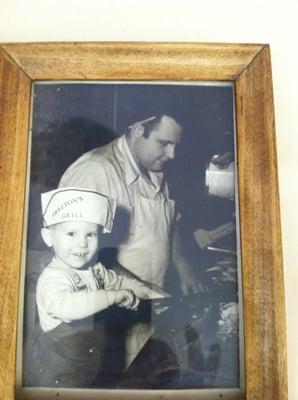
(250, 21)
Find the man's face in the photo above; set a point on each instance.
(154, 151)
(75, 243)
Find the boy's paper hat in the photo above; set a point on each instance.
(76, 204)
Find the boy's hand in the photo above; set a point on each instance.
(126, 298)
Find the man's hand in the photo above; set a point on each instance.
(189, 283)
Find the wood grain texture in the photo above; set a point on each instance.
(263, 286)
(249, 67)
(14, 112)
(126, 61)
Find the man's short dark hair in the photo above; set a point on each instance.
(152, 124)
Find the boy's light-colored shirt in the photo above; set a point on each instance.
(65, 294)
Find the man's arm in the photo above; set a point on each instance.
(189, 281)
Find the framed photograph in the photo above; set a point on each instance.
(141, 248)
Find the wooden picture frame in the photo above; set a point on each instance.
(248, 66)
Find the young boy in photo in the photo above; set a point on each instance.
(67, 346)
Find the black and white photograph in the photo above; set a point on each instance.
(132, 267)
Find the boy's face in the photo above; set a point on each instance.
(75, 243)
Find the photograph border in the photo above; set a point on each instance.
(248, 66)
